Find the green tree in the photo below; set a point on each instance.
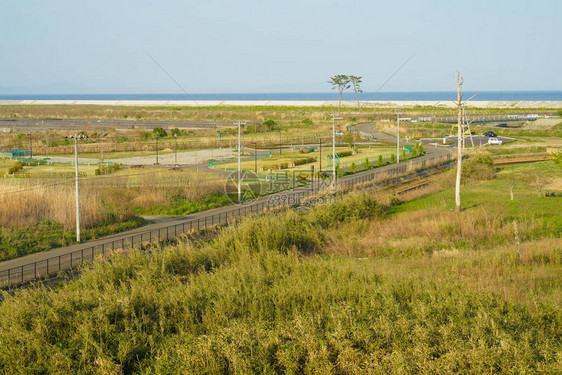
(392, 158)
(341, 83)
(349, 139)
(380, 160)
(366, 163)
(175, 132)
(159, 132)
(356, 83)
(269, 125)
(353, 167)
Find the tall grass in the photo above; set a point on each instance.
(289, 293)
(37, 217)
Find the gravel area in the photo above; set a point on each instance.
(184, 157)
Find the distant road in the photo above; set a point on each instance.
(39, 125)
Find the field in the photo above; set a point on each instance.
(365, 284)
(287, 159)
(37, 204)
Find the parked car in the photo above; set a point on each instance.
(490, 134)
(339, 133)
(494, 141)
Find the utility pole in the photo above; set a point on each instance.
(460, 81)
(334, 118)
(255, 157)
(31, 145)
(239, 162)
(176, 154)
(320, 153)
(459, 103)
(156, 150)
(398, 138)
(76, 137)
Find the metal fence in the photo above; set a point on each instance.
(50, 266)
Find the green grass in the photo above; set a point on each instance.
(46, 235)
(347, 287)
(182, 206)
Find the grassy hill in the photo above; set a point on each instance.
(352, 286)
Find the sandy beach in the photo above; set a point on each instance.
(303, 103)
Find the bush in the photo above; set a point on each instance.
(479, 167)
(107, 169)
(15, 168)
(306, 121)
(159, 132)
(342, 154)
(304, 161)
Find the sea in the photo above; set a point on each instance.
(551, 95)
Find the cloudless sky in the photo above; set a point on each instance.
(74, 46)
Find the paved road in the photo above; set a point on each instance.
(477, 140)
(61, 258)
(39, 125)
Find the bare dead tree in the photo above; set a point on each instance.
(460, 107)
(460, 81)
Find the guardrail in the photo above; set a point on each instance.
(50, 266)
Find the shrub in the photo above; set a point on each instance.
(15, 168)
(342, 154)
(479, 167)
(159, 132)
(380, 163)
(304, 161)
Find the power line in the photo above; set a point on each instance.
(181, 88)
(391, 76)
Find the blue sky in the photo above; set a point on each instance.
(101, 46)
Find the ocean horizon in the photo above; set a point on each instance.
(538, 95)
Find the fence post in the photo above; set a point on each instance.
(22, 274)
(35, 269)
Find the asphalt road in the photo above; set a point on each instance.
(38, 125)
(39, 264)
(479, 140)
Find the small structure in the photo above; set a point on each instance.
(15, 154)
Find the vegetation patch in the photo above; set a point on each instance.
(342, 288)
(49, 234)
